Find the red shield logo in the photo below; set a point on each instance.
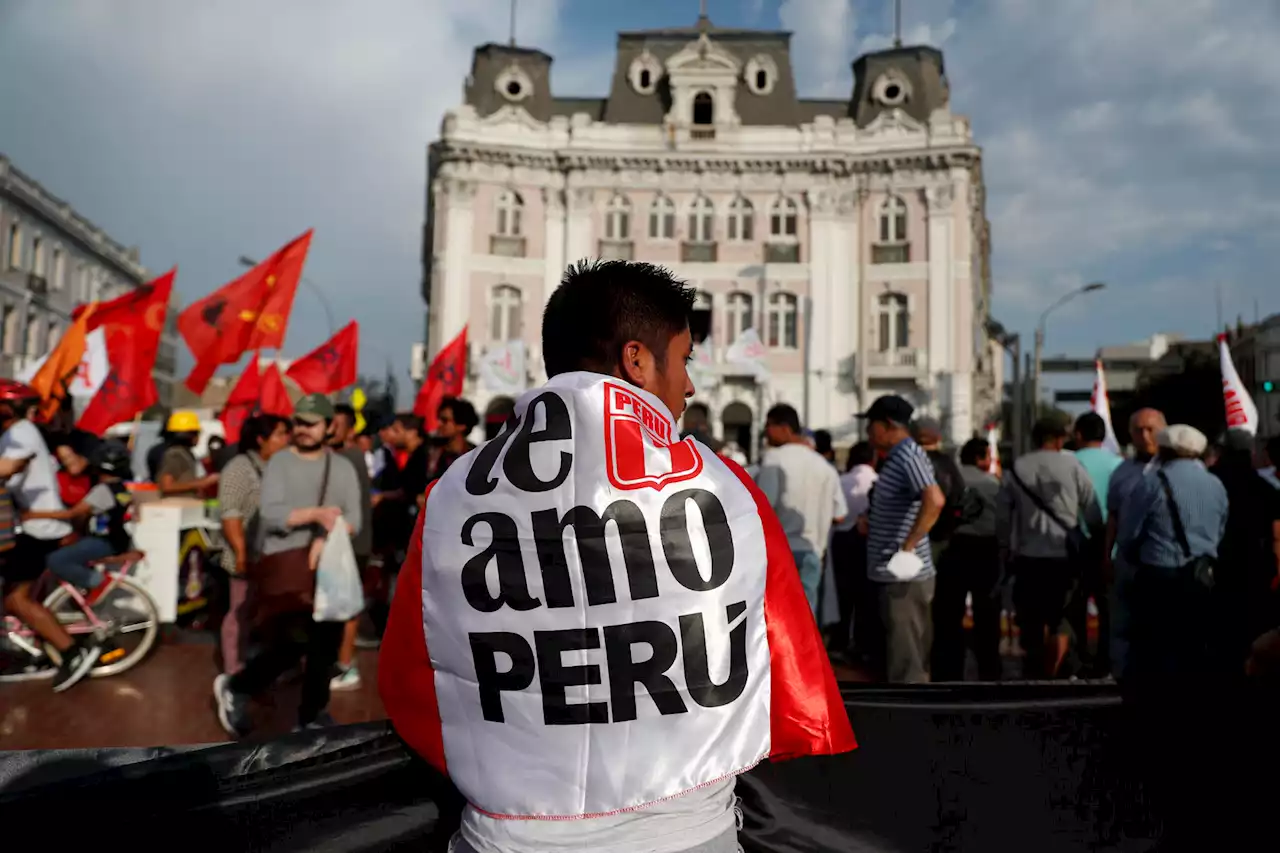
(638, 444)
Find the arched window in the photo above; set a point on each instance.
(59, 268)
(33, 337)
(700, 317)
(15, 246)
(704, 108)
(895, 322)
(741, 220)
(662, 219)
(504, 313)
(55, 335)
(739, 317)
(783, 321)
(893, 221)
(617, 219)
(702, 217)
(782, 218)
(509, 208)
(37, 256)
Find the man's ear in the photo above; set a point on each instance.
(634, 363)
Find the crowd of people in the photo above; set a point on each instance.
(1175, 547)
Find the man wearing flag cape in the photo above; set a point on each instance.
(601, 691)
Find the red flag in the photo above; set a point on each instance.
(331, 366)
(242, 402)
(132, 326)
(251, 312)
(444, 379)
(275, 397)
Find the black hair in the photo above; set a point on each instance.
(410, 421)
(346, 411)
(784, 415)
(822, 441)
(601, 305)
(974, 449)
(861, 453)
(1091, 427)
(1046, 430)
(464, 414)
(1273, 450)
(257, 429)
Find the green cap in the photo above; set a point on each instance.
(313, 408)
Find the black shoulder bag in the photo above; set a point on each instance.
(1077, 539)
(283, 582)
(1196, 572)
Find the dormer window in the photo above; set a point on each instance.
(646, 79)
(761, 73)
(704, 109)
(644, 73)
(891, 90)
(514, 84)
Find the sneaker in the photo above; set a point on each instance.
(323, 720)
(348, 678)
(233, 709)
(76, 664)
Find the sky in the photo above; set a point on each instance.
(1125, 141)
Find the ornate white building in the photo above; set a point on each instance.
(849, 234)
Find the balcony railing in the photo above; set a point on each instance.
(891, 253)
(904, 363)
(782, 253)
(616, 250)
(702, 133)
(507, 247)
(698, 252)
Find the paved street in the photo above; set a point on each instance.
(165, 700)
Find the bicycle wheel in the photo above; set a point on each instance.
(126, 622)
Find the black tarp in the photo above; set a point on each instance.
(1027, 768)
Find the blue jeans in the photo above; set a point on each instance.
(73, 563)
(809, 565)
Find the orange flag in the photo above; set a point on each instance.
(275, 397)
(251, 312)
(50, 381)
(331, 366)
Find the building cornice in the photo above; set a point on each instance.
(15, 184)
(833, 163)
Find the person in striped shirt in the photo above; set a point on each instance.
(905, 503)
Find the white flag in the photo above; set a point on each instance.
(502, 369)
(90, 373)
(747, 353)
(702, 370)
(1101, 405)
(1241, 412)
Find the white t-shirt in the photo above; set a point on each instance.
(856, 485)
(679, 824)
(35, 487)
(804, 490)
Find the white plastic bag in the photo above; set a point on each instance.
(905, 565)
(339, 593)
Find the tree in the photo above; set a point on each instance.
(1191, 395)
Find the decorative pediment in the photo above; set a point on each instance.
(894, 123)
(703, 55)
(510, 114)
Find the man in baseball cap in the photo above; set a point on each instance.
(905, 504)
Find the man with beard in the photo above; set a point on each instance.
(456, 419)
(306, 491)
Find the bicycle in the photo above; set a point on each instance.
(123, 618)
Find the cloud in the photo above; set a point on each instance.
(1122, 141)
(204, 131)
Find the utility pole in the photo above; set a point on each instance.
(897, 23)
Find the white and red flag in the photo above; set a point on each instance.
(666, 646)
(1100, 403)
(1242, 414)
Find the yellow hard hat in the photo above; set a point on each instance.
(183, 420)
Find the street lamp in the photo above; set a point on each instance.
(1035, 378)
(324, 300)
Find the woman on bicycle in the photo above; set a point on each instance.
(106, 508)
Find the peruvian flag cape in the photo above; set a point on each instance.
(595, 616)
